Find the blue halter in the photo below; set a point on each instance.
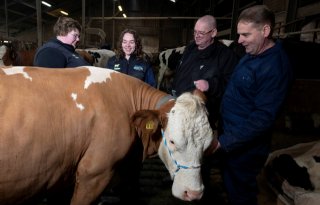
(179, 166)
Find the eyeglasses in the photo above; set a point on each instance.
(75, 35)
(201, 33)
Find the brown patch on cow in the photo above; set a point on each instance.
(86, 56)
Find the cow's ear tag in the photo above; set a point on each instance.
(150, 125)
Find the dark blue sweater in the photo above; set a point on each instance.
(253, 98)
(55, 54)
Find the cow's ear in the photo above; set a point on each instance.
(147, 125)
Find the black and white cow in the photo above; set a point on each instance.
(295, 172)
(100, 57)
(169, 60)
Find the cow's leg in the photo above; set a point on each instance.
(89, 186)
(95, 171)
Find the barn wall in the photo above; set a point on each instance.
(301, 111)
(161, 34)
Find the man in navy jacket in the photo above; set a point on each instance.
(251, 102)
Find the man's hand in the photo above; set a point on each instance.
(215, 145)
(202, 85)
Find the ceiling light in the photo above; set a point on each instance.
(124, 15)
(64, 13)
(120, 8)
(174, 1)
(46, 3)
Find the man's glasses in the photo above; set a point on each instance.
(201, 33)
(75, 35)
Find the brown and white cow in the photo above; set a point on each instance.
(77, 124)
(11, 56)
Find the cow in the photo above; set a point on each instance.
(3, 50)
(296, 170)
(169, 59)
(99, 58)
(11, 56)
(86, 56)
(75, 125)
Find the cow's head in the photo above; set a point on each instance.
(180, 132)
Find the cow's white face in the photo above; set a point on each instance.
(187, 136)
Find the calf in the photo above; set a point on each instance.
(299, 165)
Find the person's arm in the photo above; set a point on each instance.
(50, 58)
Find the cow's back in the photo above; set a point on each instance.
(51, 117)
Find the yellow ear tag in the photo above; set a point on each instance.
(150, 125)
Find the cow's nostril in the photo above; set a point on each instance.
(193, 195)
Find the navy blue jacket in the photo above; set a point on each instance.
(136, 67)
(55, 54)
(253, 98)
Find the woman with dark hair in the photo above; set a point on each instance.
(130, 58)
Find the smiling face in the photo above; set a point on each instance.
(72, 38)
(128, 44)
(253, 37)
(203, 34)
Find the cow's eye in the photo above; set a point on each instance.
(171, 142)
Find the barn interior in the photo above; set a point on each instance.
(161, 23)
(164, 24)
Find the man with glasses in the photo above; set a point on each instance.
(60, 52)
(207, 65)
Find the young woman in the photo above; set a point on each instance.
(130, 59)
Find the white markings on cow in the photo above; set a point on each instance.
(74, 96)
(16, 70)
(97, 75)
